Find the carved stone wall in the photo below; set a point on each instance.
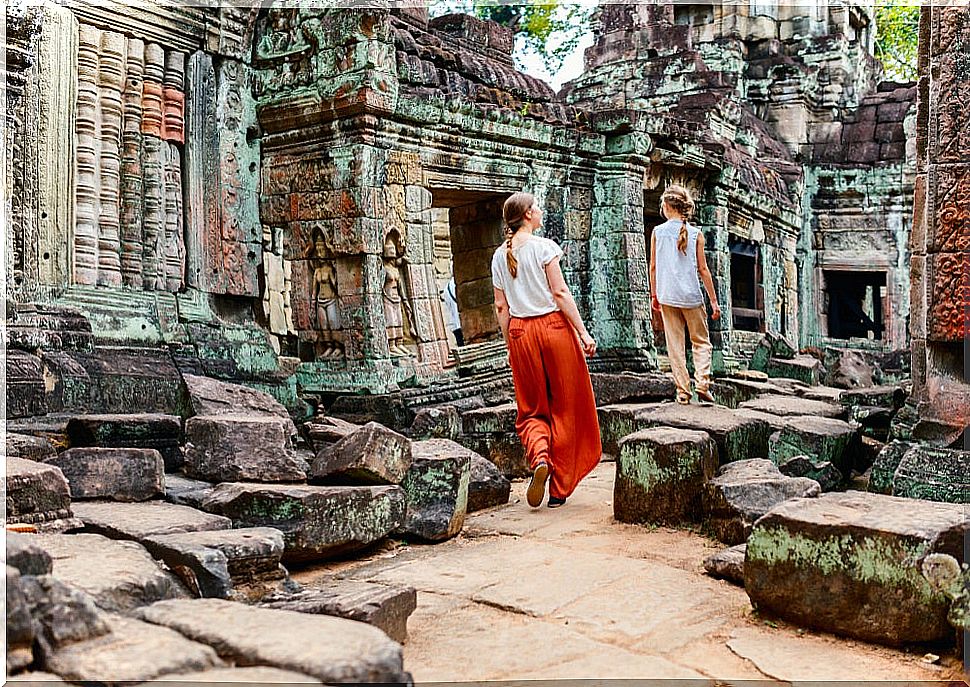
(941, 225)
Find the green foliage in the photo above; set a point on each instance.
(550, 29)
(897, 40)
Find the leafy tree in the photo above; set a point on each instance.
(550, 29)
(897, 40)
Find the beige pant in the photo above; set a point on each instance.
(695, 319)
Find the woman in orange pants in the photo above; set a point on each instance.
(547, 340)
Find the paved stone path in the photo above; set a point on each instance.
(569, 593)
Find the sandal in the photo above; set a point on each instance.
(705, 396)
(683, 399)
(555, 501)
(537, 487)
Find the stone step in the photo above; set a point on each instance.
(793, 405)
(737, 437)
(145, 430)
(745, 490)
(804, 368)
(140, 520)
(732, 392)
(383, 606)
(230, 448)
(849, 563)
(317, 522)
(436, 488)
(121, 474)
(660, 475)
(334, 650)
(118, 575)
(38, 496)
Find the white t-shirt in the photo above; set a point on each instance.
(528, 294)
(678, 283)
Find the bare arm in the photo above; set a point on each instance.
(654, 303)
(502, 311)
(564, 299)
(706, 277)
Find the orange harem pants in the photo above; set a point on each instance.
(557, 420)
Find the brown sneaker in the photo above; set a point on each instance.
(705, 395)
(537, 487)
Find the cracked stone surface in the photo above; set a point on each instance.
(603, 599)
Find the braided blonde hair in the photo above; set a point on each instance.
(679, 199)
(513, 212)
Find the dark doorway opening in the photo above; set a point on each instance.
(652, 218)
(855, 307)
(747, 290)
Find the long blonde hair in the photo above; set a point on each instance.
(513, 212)
(679, 199)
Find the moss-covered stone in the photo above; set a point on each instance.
(934, 474)
(660, 474)
(436, 488)
(737, 437)
(821, 439)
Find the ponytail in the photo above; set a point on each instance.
(682, 238)
(514, 214)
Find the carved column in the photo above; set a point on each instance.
(173, 136)
(153, 166)
(87, 127)
(111, 82)
(131, 182)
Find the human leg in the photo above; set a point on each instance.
(533, 419)
(673, 319)
(700, 341)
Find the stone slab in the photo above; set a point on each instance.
(436, 489)
(737, 437)
(317, 522)
(249, 675)
(848, 563)
(38, 495)
(745, 490)
(889, 396)
(321, 432)
(630, 387)
(118, 575)
(29, 447)
(732, 392)
(121, 474)
(330, 649)
(821, 439)
(386, 607)
(774, 422)
(184, 491)
(144, 430)
(804, 368)
(209, 396)
(372, 454)
(793, 405)
(218, 563)
(133, 652)
(230, 448)
(140, 520)
(442, 422)
(660, 475)
(490, 432)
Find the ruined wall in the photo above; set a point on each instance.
(941, 226)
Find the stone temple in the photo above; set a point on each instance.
(200, 197)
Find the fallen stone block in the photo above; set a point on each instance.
(737, 437)
(660, 474)
(134, 651)
(61, 614)
(888, 396)
(145, 430)
(383, 606)
(333, 650)
(372, 454)
(631, 387)
(771, 346)
(487, 486)
(934, 474)
(38, 496)
(441, 422)
(727, 564)
(389, 410)
(820, 438)
(118, 575)
(745, 490)
(140, 520)
(490, 432)
(246, 675)
(317, 522)
(29, 447)
(847, 369)
(731, 392)
(947, 576)
(790, 386)
(321, 431)
(848, 563)
(183, 491)
(774, 422)
(824, 473)
(829, 394)
(864, 456)
(884, 469)
(873, 422)
(52, 427)
(436, 489)
(804, 368)
(122, 474)
(24, 554)
(229, 448)
(620, 420)
(222, 564)
(19, 626)
(213, 397)
(792, 405)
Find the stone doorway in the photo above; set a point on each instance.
(747, 289)
(855, 304)
(468, 229)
